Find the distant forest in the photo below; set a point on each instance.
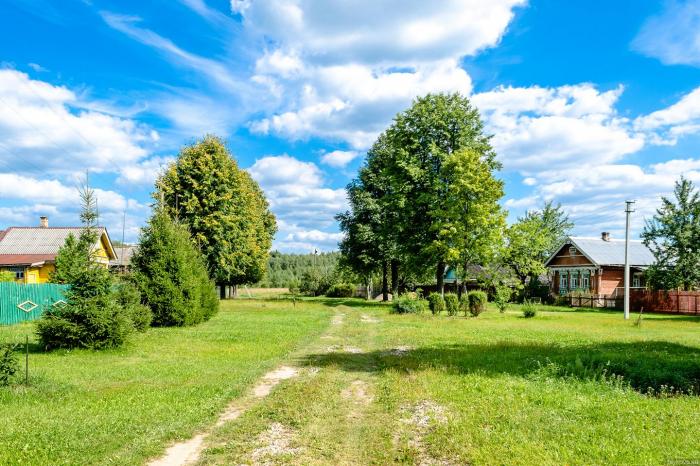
(286, 270)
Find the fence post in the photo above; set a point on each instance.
(26, 360)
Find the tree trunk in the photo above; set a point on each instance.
(440, 276)
(394, 279)
(234, 291)
(222, 291)
(385, 284)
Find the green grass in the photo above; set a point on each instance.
(511, 391)
(565, 387)
(123, 406)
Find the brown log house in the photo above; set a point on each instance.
(595, 266)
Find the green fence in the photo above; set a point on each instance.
(20, 303)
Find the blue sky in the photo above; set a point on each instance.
(589, 103)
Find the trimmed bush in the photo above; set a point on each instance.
(407, 304)
(9, 364)
(451, 304)
(171, 274)
(464, 303)
(502, 298)
(529, 309)
(341, 290)
(477, 302)
(315, 283)
(436, 303)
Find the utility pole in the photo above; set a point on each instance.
(628, 211)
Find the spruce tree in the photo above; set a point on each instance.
(172, 275)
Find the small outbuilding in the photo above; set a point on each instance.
(596, 266)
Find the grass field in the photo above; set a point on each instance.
(123, 406)
(372, 388)
(497, 389)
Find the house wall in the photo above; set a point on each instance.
(613, 277)
(34, 274)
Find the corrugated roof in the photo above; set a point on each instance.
(611, 252)
(37, 240)
(126, 260)
(25, 259)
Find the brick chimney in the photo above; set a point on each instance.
(44, 221)
(605, 236)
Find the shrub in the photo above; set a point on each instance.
(464, 303)
(129, 297)
(451, 304)
(407, 304)
(171, 274)
(529, 309)
(477, 302)
(436, 303)
(315, 283)
(6, 276)
(9, 364)
(502, 297)
(341, 290)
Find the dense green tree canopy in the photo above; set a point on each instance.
(533, 238)
(673, 236)
(224, 208)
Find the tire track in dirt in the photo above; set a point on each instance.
(189, 451)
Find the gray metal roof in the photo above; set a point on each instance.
(125, 261)
(611, 252)
(37, 240)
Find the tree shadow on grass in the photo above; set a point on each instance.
(648, 367)
(352, 302)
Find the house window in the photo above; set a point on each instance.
(586, 281)
(18, 271)
(572, 250)
(563, 283)
(574, 280)
(636, 281)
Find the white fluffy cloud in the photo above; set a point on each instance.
(665, 126)
(47, 128)
(371, 32)
(341, 71)
(673, 36)
(304, 206)
(595, 195)
(536, 127)
(339, 158)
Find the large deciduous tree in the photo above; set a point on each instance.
(224, 209)
(424, 139)
(533, 238)
(673, 236)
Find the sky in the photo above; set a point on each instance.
(588, 103)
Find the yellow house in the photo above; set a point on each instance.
(30, 252)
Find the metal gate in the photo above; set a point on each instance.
(20, 302)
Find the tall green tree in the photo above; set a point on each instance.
(224, 209)
(172, 275)
(422, 139)
(533, 238)
(673, 236)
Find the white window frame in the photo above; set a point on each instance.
(586, 281)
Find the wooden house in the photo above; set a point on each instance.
(595, 266)
(30, 252)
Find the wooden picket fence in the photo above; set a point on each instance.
(666, 302)
(20, 302)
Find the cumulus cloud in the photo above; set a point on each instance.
(342, 70)
(46, 128)
(337, 31)
(673, 36)
(339, 158)
(536, 127)
(595, 195)
(665, 126)
(304, 206)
